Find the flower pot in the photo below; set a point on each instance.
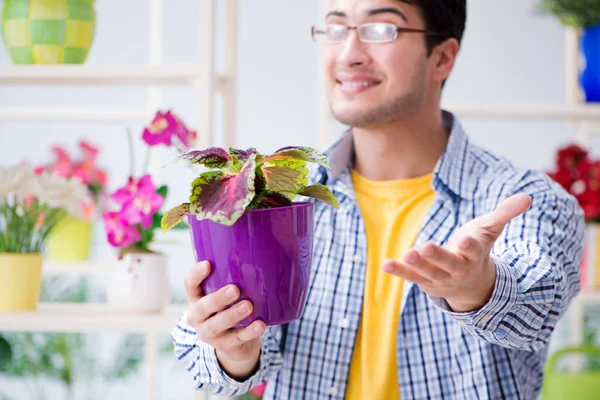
(48, 31)
(70, 240)
(20, 281)
(139, 282)
(266, 253)
(590, 78)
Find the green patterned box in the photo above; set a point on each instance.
(48, 31)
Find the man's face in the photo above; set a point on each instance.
(373, 84)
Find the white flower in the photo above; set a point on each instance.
(18, 179)
(56, 191)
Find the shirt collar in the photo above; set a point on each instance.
(451, 174)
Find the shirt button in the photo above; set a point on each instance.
(357, 258)
(332, 391)
(462, 323)
(485, 319)
(344, 323)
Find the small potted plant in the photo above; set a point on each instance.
(140, 281)
(583, 15)
(71, 240)
(31, 206)
(244, 220)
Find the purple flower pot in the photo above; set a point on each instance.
(266, 253)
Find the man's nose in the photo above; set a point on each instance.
(354, 52)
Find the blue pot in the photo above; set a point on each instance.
(590, 79)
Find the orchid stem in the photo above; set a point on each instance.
(131, 153)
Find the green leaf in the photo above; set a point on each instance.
(213, 157)
(163, 190)
(320, 192)
(283, 179)
(299, 153)
(173, 217)
(6, 353)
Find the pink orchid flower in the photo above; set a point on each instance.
(133, 186)
(118, 232)
(141, 209)
(161, 129)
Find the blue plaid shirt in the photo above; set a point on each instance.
(496, 352)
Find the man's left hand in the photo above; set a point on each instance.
(462, 272)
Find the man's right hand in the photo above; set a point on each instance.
(238, 350)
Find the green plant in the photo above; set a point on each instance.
(31, 205)
(575, 13)
(241, 180)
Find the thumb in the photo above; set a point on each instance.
(508, 209)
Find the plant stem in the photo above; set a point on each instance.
(131, 153)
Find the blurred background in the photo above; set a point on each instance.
(514, 89)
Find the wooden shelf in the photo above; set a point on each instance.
(587, 112)
(81, 75)
(89, 317)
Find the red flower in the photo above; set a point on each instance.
(570, 156)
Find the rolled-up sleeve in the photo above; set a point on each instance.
(537, 260)
(200, 361)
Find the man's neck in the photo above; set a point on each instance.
(403, 150)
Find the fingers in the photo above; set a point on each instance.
(211, 304)
(440, 257)
(218, 324)
(509, 209)
(195, 276)
(415, 269)
(235, 338)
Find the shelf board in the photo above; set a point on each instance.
(74, 114)
(89, 317)
(144, 75)
(587, 112)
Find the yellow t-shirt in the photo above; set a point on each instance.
(393, 212)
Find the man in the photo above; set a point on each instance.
(444, 272)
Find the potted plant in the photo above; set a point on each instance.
(71, 240)
(244, 220)
(583, 15)
(48, 32)
(140, 281)
(31, 205)
(577, 173)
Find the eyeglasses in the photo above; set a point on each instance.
(378, 32)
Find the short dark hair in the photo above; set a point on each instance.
(446, 17)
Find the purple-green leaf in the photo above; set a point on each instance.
(174, 216)
(242, 155)
(223, 198)
(320, 192)
(213, 157)
(299, 153)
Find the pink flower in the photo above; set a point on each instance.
(141, 209)
(259, 390)
(160, 130)
(90, 151)
(164, 127)
(133, 186)
(119, 233)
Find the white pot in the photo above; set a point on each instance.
(139, 283)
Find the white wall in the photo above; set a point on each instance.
(510, 55)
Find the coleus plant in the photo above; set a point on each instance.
(240, 180)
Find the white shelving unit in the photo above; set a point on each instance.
(154, 76)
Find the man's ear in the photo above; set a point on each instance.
(443, 58)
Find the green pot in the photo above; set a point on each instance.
(48, 31)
